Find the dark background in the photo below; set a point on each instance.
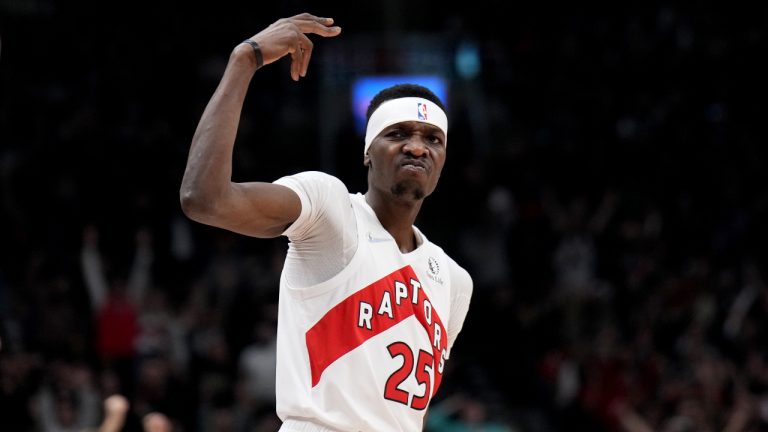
(605, 186)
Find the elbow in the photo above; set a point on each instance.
(194, 206)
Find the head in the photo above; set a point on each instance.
(405, 143)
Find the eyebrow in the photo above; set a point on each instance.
(411, 125)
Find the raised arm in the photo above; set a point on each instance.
(208, 195)
(93, 270)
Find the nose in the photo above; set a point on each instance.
(416, 147)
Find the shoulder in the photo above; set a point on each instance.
(325, 203)
(312, 179)
(315, 188)
(461, 281)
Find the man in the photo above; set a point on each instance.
(369, 308)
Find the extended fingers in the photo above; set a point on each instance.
(290, 37)
(301, 55)
(308, 23)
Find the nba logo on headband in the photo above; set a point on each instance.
(422, 111)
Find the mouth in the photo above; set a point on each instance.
(414, 165)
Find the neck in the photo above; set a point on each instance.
(397, 216)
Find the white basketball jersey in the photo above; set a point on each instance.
(366, 349)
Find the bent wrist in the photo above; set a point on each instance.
(244, 54)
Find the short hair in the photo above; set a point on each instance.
(398, 91)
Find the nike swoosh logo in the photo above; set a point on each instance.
(373, 239)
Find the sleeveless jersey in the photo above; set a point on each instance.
(366, 349)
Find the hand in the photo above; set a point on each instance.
(156, 422)
(116, 405)
(289, 36)
(115, 411)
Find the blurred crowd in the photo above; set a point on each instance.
(606, 188)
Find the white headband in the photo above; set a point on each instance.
(401, 110)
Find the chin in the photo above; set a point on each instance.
(408, 190)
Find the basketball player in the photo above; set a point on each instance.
(369, 309)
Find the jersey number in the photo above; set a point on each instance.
(424, 361)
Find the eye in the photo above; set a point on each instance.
(435, 140)
(396, 133)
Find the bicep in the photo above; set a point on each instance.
(257, 209)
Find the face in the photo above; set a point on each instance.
(406, 160)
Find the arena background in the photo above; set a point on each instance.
(605, 186)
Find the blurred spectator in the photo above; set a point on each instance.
(114, 304)
(68, 400)
(257, 362)
(462, 413)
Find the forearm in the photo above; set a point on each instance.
(139, 278)
(93, 274)
(207, 178)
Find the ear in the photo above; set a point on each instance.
(367, 159)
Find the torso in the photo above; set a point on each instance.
(366, 347)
